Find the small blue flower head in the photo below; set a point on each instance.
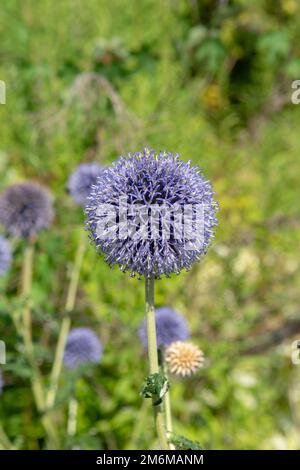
(1, 383)
(81, 181)
(5, 255)
(25, 209)
(170, 326)
(142, 214)
(83, 346)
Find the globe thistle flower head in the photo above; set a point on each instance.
(83, 346)
(184, 358)
(170, 326)
(25, 209)
(5, 255)
(155, 187)
(81, 181)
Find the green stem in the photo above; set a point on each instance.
(36, 379)
(153, 360)
(65, 324)
(168, 411)
(138, 428)
(26, 283)
(72, 417)
(5, 443)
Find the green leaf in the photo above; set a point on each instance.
(182, 443)
(275, 45)
(155, 386)
(211, 53)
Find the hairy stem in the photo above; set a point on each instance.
(65, 324)
(153, 360)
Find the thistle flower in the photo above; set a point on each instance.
(170, 327)
(5, 255)
(83, 346)
(184, 358)
(25, 209)
(145, 182)
(82, 180)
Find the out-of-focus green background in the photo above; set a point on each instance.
(212, 81)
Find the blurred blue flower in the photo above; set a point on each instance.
(81, 181)
(5, 255)
(25, 209)
(170, 326)
(82, 346)
(149, 179)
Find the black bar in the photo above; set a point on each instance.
(125, 459)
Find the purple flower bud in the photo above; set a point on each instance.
(81, 181)
(25, 209)
(170, 327)
(83, 346)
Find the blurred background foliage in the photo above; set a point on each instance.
(90, 80)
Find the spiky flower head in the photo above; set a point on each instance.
(5, 255)
(170, 326)
(81, 181)
(25, 209)
(141, 210)
(184, 358)
(83, 346)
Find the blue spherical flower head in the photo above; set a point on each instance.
(83, 346)
(81, 181)
(5, 255)
(25, 209)
(170, 326)
(145, 187)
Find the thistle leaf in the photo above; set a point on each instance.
(155, 386)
